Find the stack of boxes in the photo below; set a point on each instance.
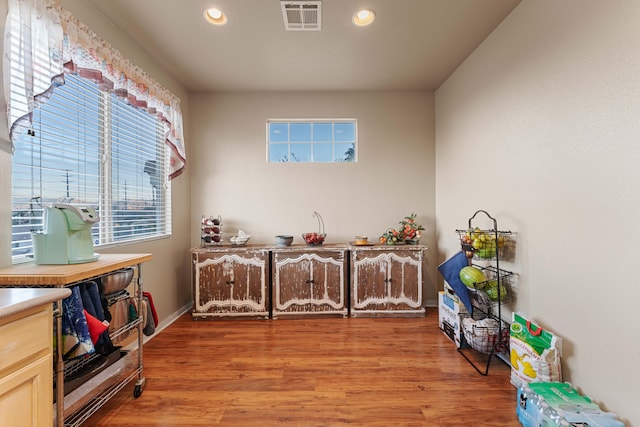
(450, 309)
(547, 404)
(451, 312)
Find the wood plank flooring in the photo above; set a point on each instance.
(311, 372)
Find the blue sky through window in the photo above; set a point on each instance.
(316, 141)
(322, 132)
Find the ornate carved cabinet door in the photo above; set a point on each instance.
(369, 285)
(387, 281)
(309, 281)
(230, 282)
(405, 281)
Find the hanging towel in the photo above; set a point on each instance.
(91, 297)
(450, 270)
(133, 311)
(152, 308)
(76, 339)
(93, 304)
(96, 327)
(149, 326)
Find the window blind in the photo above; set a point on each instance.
(88, 147)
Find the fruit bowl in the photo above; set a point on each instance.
(314, 239)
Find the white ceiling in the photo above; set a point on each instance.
(412, 45)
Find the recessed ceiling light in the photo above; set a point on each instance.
(215, 16)
(364, 17)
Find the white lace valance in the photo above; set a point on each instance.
(43, 41)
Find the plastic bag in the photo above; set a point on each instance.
(482, 335)
(535, 353)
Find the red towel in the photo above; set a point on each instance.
(96, 327)
(153, 308)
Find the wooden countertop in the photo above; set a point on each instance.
(60, 275)
(17, 300)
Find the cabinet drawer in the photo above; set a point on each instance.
(26, 338)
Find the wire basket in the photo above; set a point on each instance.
(484, 245)
(497, 288)
(486, 335)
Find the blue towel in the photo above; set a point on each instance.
(450, 270)
(92, 302)
(75, 331)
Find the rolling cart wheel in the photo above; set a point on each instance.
(137, 391)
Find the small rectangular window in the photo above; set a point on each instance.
(311, 141)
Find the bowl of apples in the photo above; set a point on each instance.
(313, 239)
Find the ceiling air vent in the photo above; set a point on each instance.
(300, 15)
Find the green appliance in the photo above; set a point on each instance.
(66, 238)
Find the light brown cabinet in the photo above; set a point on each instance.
(230, 282)
(309, 281)
(387, 281)
(26, 357)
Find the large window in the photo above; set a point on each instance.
(317, 141)
(90, 147)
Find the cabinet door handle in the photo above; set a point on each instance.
(387, 280)
(309, 281)
(230, 282)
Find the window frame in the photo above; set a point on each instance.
(106, 227)
(311, 142)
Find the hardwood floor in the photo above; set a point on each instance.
(311, 372)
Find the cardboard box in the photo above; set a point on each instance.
(449, 310)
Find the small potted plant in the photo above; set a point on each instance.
(411, 231)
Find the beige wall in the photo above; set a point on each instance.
(545, 119)
(167, 276)
(394, 175)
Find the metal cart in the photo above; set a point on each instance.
(78, 405)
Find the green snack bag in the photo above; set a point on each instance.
(534, 352)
